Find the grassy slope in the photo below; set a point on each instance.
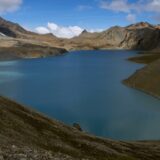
(12, 48)
(23, 128)
(146, 79)
(146, 57)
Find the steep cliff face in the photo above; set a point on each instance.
(140, 36)
(146, 38)
(25, 134)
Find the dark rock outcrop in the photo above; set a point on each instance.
(142, 39)
(7, 32)
(77, 126)
(11, 29)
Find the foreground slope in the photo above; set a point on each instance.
(25, 134)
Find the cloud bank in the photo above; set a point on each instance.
(62, 31)
(9, 5)
(126, 7)
(116, 5)
(131, 8)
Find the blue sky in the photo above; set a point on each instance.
(90, 14)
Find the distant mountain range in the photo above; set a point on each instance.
(140, 36)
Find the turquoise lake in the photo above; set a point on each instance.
(85, 87)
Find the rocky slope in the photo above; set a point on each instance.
(11, 29)
(25, 135)
(16, 42)
(14, 30)
(13, 48)
(140, 36)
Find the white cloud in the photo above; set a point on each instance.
(9, 5)
(42, 30)
(60, 31)
(126, 7)
(153, 6)
(116, 5)
(63, 31)
(131, 18)
(137, 7)
(52, 26)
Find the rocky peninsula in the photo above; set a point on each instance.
(146, 79)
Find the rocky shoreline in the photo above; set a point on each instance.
(11, 49)
(147, 78)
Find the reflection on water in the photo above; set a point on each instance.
(85, 87)
(9, 76)
(9, 71)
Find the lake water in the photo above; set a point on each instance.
(85, 87)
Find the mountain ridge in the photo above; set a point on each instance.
(140, 36)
